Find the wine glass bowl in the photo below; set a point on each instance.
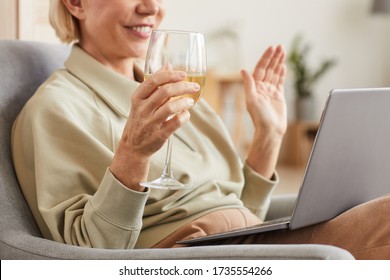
(183, 51)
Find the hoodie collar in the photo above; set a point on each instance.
(114, 88)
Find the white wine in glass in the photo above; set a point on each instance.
(178, 50)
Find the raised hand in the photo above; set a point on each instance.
(266, 104)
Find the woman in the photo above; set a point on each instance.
(94, 130)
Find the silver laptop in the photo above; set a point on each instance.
(349, 163)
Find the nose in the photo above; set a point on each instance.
(148, 7)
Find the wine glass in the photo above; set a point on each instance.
(176, 50)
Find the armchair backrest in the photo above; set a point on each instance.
(23, 67)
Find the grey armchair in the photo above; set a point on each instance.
(23, 67)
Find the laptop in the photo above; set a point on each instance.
(349, 163)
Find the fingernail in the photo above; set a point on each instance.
(196, 86)
(190, 102)
(182, 74)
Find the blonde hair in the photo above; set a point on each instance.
(66, 26)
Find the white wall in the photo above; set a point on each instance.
(343, 29)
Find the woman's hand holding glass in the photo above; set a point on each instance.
(154, 117)
(157, 112)
(177, 50)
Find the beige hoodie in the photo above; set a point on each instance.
(65, 138)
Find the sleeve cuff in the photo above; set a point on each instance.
(117, 204)
(248, 171)
(257, 191)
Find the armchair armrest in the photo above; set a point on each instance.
(19, 245)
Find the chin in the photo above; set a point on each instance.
(138, 53)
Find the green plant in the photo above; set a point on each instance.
(305, 77)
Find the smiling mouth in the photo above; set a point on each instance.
(143, 31)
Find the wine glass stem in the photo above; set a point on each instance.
(167, 173)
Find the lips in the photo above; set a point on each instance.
(142, 31)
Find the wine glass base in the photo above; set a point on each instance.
(166, 183)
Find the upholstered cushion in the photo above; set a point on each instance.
(23, 67)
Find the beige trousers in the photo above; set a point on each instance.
(364, 230)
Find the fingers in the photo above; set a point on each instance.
(274, 68)
(281, 76)
(260, 69)
(270, 65)
(163, 102)
(177, 121)
(153, 82)
(173, 108)
(154, 97)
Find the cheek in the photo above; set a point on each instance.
(97, 4)
(161, 13)
(159, 19)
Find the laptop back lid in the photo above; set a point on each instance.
(350, 159)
